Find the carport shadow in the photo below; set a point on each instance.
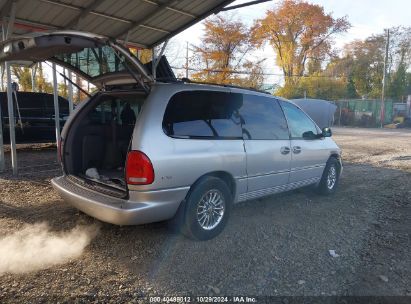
(35, 162)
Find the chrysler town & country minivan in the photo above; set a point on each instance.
(142, 151)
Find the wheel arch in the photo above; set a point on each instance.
(226, 177)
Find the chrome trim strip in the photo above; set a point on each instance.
(308, 167)
(269, 173)
(282, 188)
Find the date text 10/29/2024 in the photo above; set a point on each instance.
(200, 299)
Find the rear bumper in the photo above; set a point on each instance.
(142, 207)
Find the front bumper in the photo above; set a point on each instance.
(142, 206)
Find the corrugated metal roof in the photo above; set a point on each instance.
(143, 23)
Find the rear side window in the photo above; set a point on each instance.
(263, 118)
(298, 121)
(203, 114)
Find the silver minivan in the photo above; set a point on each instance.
(141, 151)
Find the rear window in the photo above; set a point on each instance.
(94, 61)
(121, 109)
(203, 114)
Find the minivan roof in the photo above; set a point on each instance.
(205, 85)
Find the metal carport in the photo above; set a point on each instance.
(137, 23)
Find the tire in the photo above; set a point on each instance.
(330, 178)
(206, 209)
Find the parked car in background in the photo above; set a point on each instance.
(142, 151)
(34, 116)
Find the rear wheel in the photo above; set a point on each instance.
(207, 209)
(330, 178)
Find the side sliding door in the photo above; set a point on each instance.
(267, 145)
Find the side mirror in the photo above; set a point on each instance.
(326, 132)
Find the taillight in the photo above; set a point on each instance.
(139, 170)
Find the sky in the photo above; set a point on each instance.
(367, 17)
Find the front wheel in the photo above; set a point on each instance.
(207, 209)
(330, 178)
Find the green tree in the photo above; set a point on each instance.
(23, 75)
(351, 90)
(362, 61)
(42, 85)
(315, 86)
(63, 89)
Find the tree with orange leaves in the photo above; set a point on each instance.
(221, 57)
(299, 32)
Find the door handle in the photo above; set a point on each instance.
(285, 150)
(296, 149)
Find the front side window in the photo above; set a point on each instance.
(298, 122)
(203, 114)
(263, 118)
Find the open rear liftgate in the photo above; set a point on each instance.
(148, 32)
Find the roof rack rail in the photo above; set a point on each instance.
(187, 80)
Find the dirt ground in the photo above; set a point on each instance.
(274, 246)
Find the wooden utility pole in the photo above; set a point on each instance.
(384, 78)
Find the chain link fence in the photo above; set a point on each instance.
(363, 113)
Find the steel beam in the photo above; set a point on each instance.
(156, 60)
(70, 92)
(12, 17)
(84, 12)
(153, 60)
(172, 9)
(56, 105)
(10, 105)
(141, 21)
(33, 77)
(214, 10)
(5, 8)
(228, 8)
(2, 161)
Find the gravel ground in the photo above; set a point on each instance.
(274, 246)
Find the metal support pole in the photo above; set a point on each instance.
(2, 77)
(12, 17)
(12, 133)
(384, 78)
(56, 105)
(153, 63)
(156, 59)
(70, 92)
(187, 59)
(33, 78)
(2, 161)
